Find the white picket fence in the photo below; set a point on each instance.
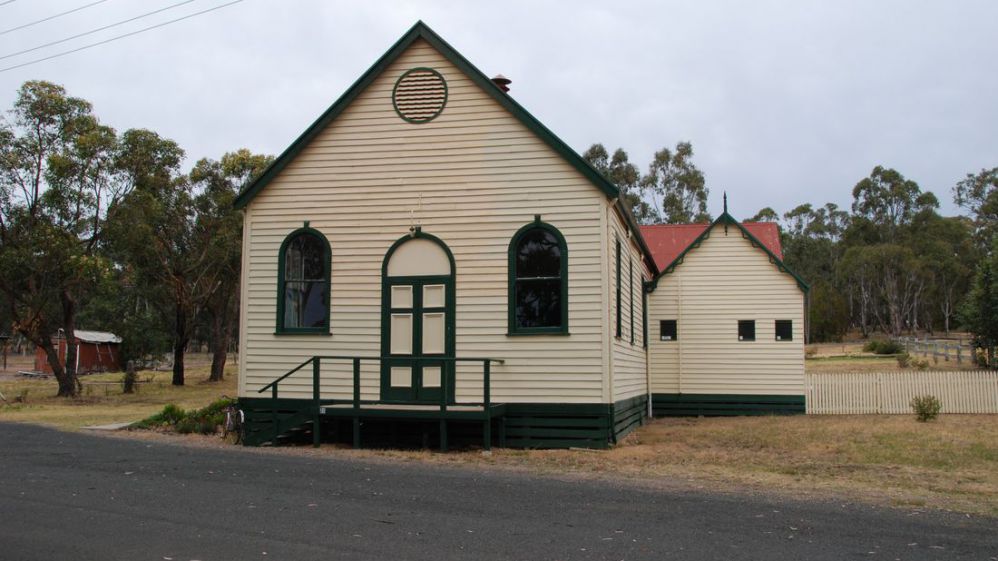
(858, 393)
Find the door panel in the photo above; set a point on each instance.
(417, 329)
(401, 334)
(433, 333)
(401, 376)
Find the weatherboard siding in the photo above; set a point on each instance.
(630, 373)
(723, 281)
(471, 177)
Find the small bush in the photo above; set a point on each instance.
(883, 347)
(926, 407)
(904, 360)
(203, 421)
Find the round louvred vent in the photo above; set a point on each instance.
(420, 95)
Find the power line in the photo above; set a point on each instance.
(85, 6)
(78, 49)
(7, 2)
(92, 31)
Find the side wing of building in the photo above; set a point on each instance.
(706, 366)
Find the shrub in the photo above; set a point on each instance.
(204, 421)
(904, 360)
(883, 347)
(926, 407)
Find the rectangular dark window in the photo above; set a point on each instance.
(630, 281)
(620, 328)
(784, 330)
(669, 332)
(746, 330)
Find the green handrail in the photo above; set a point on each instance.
(316, 362)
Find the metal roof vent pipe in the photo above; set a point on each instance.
(502, 81)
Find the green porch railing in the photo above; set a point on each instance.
(357, 402)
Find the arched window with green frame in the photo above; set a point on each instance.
(303, 272)
(538, 281)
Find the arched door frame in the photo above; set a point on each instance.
(417, 360)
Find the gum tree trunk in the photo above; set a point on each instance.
(179, 345)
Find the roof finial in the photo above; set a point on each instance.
(725, 202)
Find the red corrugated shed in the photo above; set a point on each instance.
(667, 241)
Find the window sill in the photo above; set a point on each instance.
(537, 333)
(284, 332)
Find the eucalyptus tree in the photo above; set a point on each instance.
(220, 227)
(155, 239)
(766, 214)
(979, 312)
(979, 194)
(626, 176)
(57, 180)
(674, 178)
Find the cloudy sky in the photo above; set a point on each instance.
(784, 102)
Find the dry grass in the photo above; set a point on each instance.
(104, 404)
(850, 357)
(951, 463)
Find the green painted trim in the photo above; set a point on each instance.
(526, 425)
(628, 414)
(511, 328)
(395, 89)
(328, 261)
(421, 31)
(728, 220)
(417, 362)
(620, 326)
(714, 405)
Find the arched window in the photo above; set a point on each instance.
(303, 283)
(538, 280)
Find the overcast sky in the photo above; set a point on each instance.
(784, 102)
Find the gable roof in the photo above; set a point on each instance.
(667, 241)
(671, 242)
(421, 31)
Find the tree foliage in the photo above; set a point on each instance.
(674, 178)
(673, 190)
(979, 312)
(626, 176)
(978, 193)
(106, 229)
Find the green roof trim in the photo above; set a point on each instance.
(728, 220)
(422, 31)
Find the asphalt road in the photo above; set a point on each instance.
(81, 497)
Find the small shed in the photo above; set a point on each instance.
(98, 351)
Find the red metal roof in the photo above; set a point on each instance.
(667, 241)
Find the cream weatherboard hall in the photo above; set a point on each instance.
(428, 262)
